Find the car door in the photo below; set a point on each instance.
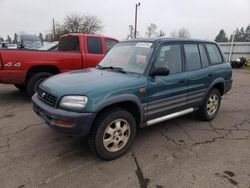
(199, 72)
(167, 94)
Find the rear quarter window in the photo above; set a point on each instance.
(69, 43)
(204, 58)
(94, 45)
(214, 54)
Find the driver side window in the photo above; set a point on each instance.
(170, 57)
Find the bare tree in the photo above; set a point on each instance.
(72, 23)
(131, 32)
(8, 39)
(76, 23)
(82, 24)
(151, 30)
(173, 34)
(181, 33)
(161, 33)
(91, 24)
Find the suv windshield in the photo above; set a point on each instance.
(129, 56)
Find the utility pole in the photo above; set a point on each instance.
(54, 29)
(231, 48)
(136, 7)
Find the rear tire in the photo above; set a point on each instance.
(211, 106)
(35, 81)
(21, 87)
(112, 133)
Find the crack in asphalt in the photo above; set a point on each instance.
(236, 127)
(176, 143)
(228, 177)
(22, 130)
(67, 172)
(142, 181)
(213, 139)
(184, 130)
(7, 145)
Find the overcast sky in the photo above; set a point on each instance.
(203, 18)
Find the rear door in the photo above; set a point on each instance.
(168, 94)
(95, 51)
(199, 71)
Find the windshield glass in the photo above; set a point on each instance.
(32, 44)
(48, 47)
(129, 56)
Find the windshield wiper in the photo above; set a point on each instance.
(118, 69)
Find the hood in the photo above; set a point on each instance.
(91, 82)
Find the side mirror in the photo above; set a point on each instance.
(159, 71)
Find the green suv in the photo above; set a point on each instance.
(139, 83)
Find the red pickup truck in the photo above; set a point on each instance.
(26, 69)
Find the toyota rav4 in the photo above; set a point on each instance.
(139, 83)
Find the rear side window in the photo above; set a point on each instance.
(192, 57)
(214, 54)
(94, 45)
(110, 44)
(204, 58)
(69, 43)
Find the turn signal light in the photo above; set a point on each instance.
(64, 123)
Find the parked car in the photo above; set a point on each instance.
(29, 42)
(4, 44)
(50, 46)
(138, 84)
(11, 46)
(26, 69)
(239, 62)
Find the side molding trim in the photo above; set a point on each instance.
(169, 116)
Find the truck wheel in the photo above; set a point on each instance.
(35, 81)
(112, 134)
(211, 106)
(21, 87)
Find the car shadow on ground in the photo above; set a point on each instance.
(78, 147)
(13, 95)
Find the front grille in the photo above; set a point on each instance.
(46, 97)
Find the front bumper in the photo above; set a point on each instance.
(12, 76)
(82, 121)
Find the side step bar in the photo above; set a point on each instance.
(169, 116)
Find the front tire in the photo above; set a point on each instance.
(35, 81)
(112, 134)
(21, 87)
(211, 106)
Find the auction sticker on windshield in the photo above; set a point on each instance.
(143, 45)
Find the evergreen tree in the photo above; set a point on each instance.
(15, 39)
(222, 36)
(247, 34)
(8, 39)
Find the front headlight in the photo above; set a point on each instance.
(73, 102)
